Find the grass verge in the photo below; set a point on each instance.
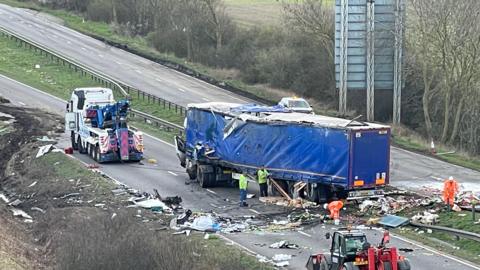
(408, 140)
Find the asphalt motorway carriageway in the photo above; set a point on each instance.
(121, 65)
(168, 177)
(408, 170)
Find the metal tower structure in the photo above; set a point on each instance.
(398, 56)
(370, 42)
(343, 57)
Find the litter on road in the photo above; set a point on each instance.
(44, 150)
(284, 244)
(21, 213)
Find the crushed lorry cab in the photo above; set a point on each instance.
(98, 126)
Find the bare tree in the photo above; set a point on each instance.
(218, 19)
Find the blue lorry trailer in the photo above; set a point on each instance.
(335, 157)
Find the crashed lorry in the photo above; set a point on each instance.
(335, 157)
(98, 126)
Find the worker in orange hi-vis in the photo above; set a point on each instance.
(334, 207)
(450, 189)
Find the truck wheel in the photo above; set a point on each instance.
(96, 153)
(81, 150)
(191, 171)
(324, 265)
(72, 138)
(403, 265)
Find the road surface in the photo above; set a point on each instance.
(168, 177)
(408, 170)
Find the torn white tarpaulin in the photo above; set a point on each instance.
(284, 244)
(43, 150)
(18, 212)
(282, 264)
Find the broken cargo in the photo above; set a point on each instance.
(336, 157)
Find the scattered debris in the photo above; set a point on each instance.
(281, 257)
(44, 150)
(284, 244)
(70, 195)
(152, 161)
(16, 202)
(38, 209)
(45, 139)
(425, 218)
(18, 212)
(33, 184)
(204, 224)
(393, 221)
(250, 196)
(4, 198)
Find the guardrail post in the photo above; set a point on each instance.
(169, 104)
(176, 108)
(143, 95)
(148, 98)
(164, 103)
(138, 94)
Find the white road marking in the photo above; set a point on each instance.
(99, 55)
(83, 48)
(158, 80)
(172, 173)
(254, 211)
(21, 103)
(69, 42)
(437, 178)
(118, 63)
(211, 191)
(182, 90)
(138, 71)
(304, 233)
(206, 99)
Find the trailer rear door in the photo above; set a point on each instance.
(370, 158)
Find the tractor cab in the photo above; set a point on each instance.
(346, 246)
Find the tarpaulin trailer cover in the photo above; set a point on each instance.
(292, 146)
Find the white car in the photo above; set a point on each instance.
(296, 104)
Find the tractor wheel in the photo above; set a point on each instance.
(324, 265)
(403, 265)
(387, 266)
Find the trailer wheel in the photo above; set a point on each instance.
(403, 265)
(312, 193)
(191, 170)
(324, 265)
(202, 178)
(72, 138)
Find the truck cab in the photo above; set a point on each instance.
(98, 126)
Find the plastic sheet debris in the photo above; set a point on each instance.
(70, 195)
(250, 196)
(151, 203)
(45, 139)
(21, 213)
(187, 232)
(262, 259)
(44, 150)
(456, 208)
(204, 224)
(393, 221)
(184, 217)
(282, 264)
(16, 202)
(426, 218)
(284, 244)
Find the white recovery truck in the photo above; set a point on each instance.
(98, 126)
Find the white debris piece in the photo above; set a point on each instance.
(33, 184)
(43, 150)
(281, 257)
(365, 205)
(4, 198)
(151, 203)
(18, 212)
(282, 264)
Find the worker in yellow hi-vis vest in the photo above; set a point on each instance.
(243, 184)
(262, 175)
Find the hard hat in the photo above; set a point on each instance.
(450, 178)
(325, 206)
